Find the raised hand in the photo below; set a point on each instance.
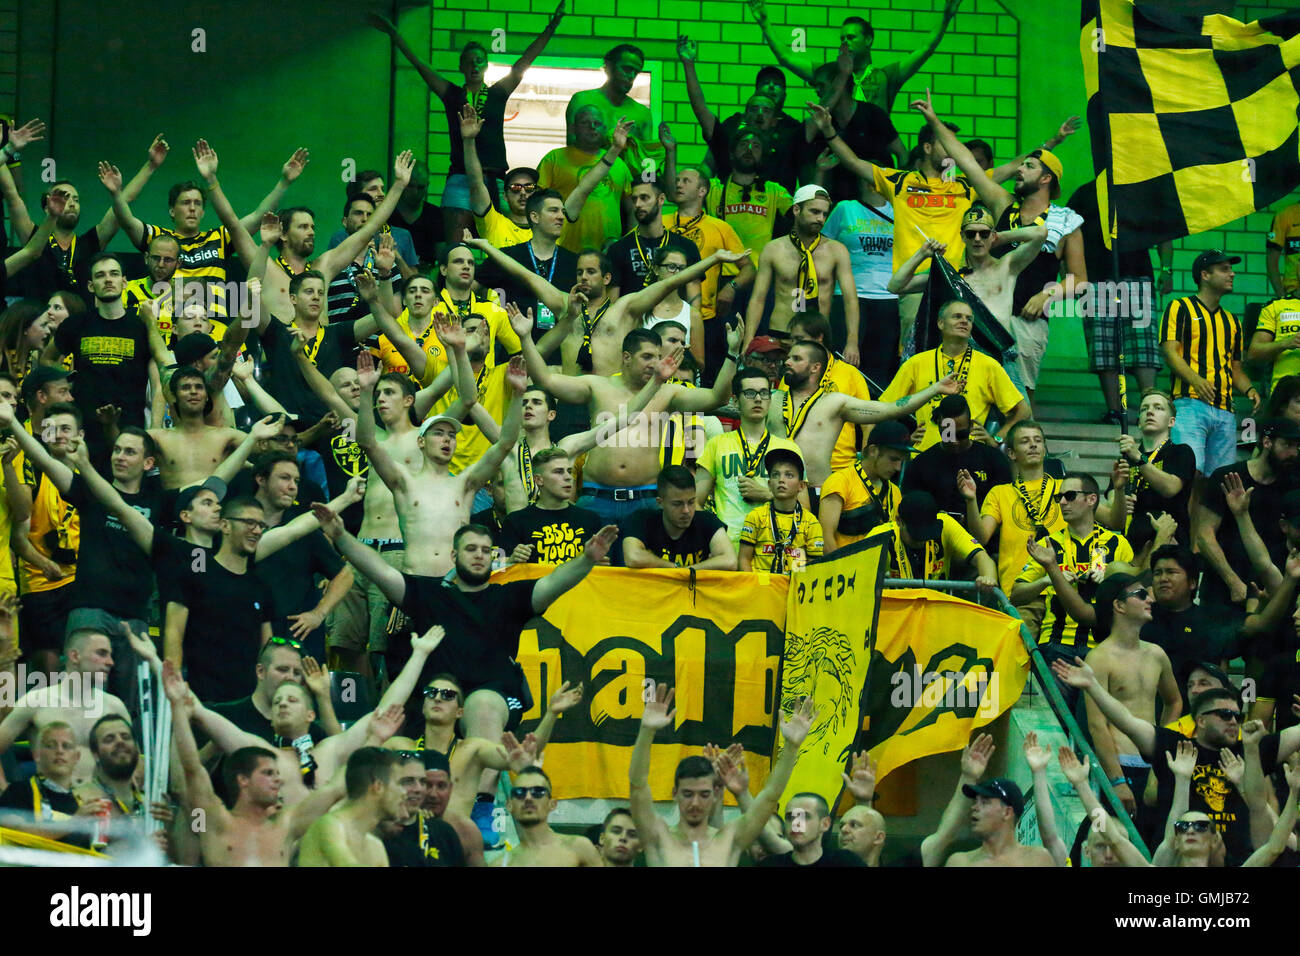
(657, 713)
(1236, 494)
(471, 124)
(669, 364)
(1184, 763)
(1233, 767)
(827, 159)
(175, 688)
(730, 766)
(966, 485)
(384, 723)
(1252, 732)
(975, 758)
(1075, 771)
(356, 489)
(597, 547)
(521, 323)
(30, 132)
(519, 753)
(1042, 553)
(386, 253)
(822, 119)
(57, 200)
(111, 177)
(566, 698)
(367, 374)
(205, 158)
(316, 677)
(619, 136)
(687, 49)
(948, 385)
(924, 107)
(861, 778)
(666, 137)
(1036, 756)
(271, 229)
(844, 60)
(517, 374)
(267, 428)
(366, 285)
(295, 164)
(402, 168)
(1077, 674)
(726, 255)
(107, 415)
(735, 334)
(795, 728)
(473, 241)
(1067, 129)
(759, 9)
(158, 151)
(449, 330)
(141, 644)
(429, 641)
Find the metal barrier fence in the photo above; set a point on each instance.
(1046, 681)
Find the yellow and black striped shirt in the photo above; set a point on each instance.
(1078, 557)
(204, 256)
(1209, 341)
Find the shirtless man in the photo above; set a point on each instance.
(530, 805)
(432, 503)
(997, 806)
(784, 265)
(618, 476)
(345, 836)
(77, 698)
(692, 841)
(603, 332)
(301, 763)
(1133, 671)
(194, 447)
(619, 843)
(255, 831)
(815, 417)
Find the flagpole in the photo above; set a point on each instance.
(1113, 215)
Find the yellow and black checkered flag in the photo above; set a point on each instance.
(1193, 119)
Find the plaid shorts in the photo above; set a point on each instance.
(1141, 341)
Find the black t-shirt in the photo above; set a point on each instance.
(112, 362)
(284, 380)
(482, 629)
(223, 634)
(426, 231)
(113, 574)
(935, 470)
(290, 573)
(1096, 256)
(1190, 636)
(784, 151)
(491, 140)
(19, 796)
(1279, 683)
(1172, 459)
(556, 536)
(561, 271)
(1212, 793)
(868, 133)
(344, 460)
(173, 560)
(828, 858)
(243, 713)
(631, 263)
(647, 526)
(440, 845)
(1265, 507)
(63, 270)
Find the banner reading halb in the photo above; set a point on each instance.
(831, 616)
(940, 668)
(715, 636)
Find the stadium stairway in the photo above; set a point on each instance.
(1069, 404)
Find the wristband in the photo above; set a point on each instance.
(833, 135)
(605, 159)
(384, 276)
(734, 357)
(1119, 782)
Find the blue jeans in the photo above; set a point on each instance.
(1212, 433)
(611, 511)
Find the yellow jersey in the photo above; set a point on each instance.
(984, 382)
(1010, 505)
(394, 361)
(934, 205)
(1282, 318)
(1080, 558)
(494, 394)
(1285, 236)
(865, 505)
(783, 541)
(934, 560)
(709, 235)
(500, 230)
(750, 210)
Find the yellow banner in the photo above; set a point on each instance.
(830, 620)
(715, 636)
(33, 842)
(941, 667)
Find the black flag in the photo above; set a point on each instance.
(988, 334)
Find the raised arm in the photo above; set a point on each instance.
(290, 171)
(333, 260)
(575, 389)
(825, 123)
(646, 299)
(1038, 758)
(1182, 764)
(569, 574)
(198, 783)
(307, 522)
(658, 714)
(137, 525)
(366, 560)
(1238, 498)
(547, 294)
(758, 298)
(511, 80)
(58, 472)
(1205, 526)
(1277, 841)
(35, 245)
(106, 228)
(974, 761)
(574, 202)
(206, 161)
(111, 177)
(480, 200)
(991, 194)
(906, 279)
(863, 412)
(435, 81)
(1141, 732)
(30, 132)
(388, 468)
(909, 64)
(233, 463)
(1000, 174)
(687, 49)
(794, 731)
(1111, 830)
(759, 9)
(489, 463)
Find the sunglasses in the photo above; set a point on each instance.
(537, 793)
(410, 755)
(522, 187)
(754, 393)
(1140, 594)
(283, 641)
(1224, 713)
(441, 693)
(1192, 826)
(977, 233)
(1068, 495)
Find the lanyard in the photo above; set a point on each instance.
(882, 504)
(647, 260)
(794, 421)
(554, 257)
(745, 190)
(752, 459)
(59, 253)
(962, 368)
(526, 470)
(780, 547)
(1034, 507)
(691, 224)
(807, 278)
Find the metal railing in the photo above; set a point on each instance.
(1047, 684)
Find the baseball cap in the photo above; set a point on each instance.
(918, 512)
(1111, 589)
(519, 172)
(1290, 506)
(41, 376)
(1214, 670)
(778, 455)
(1210, 257)
(891, 434)
(999, 788)
(185, 500)
(765, 343)
(1280, 428)
(979, 214)
(193, 347)
(1048, 159)
(430, 422)
(809, 191)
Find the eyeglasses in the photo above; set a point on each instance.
(537, 793)
(1192, 826)
(522, 187)
(1068, 495)
(284, 439)
(755, 393)
(283, 641)
(441, 693)
(251, 523)
(1224, 713)
(169, 259)
(672, 267)
(977, 233)
(1140, 594)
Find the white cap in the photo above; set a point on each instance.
(810, 191)
(430, 422)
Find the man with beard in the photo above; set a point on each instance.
(437, 779)
(939, 469)
(562, 169)
(619, 843)
(76, 700)
(1267, 477)
(803, 271)
(65, 258)
(417, 838)
(632, 256)
(745, 197)
(815, 417)
(530, 805)
(113, 745)
(110, 347)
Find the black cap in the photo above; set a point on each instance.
(185, 500)
(1283, 428)
(1290, 506)
(1210, 257)
(1110, 590)
(918, 512)
(789, 455)
(999, 788)
(1214, 670)
(891, 434)
(519, 172)
(41, 376)
(193, 347)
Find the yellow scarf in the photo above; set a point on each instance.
(807, 277)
